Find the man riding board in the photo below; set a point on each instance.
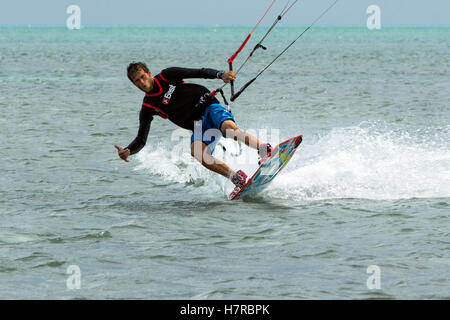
(189, 106)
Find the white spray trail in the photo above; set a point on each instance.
(369, 162)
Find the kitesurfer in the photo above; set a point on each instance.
(192, 107)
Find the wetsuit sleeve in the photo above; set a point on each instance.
(145, 119)
(178, 74)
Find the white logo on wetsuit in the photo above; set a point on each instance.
(168, 94)
(202, 100)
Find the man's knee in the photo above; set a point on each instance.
(228, 125)
(201, 152)
(229, 129)
(197, 150)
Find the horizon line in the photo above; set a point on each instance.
(218, 26)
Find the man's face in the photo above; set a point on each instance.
(143, 80)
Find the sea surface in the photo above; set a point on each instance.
(362, 211)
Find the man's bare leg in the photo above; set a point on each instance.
(201, 152)
(230, 130)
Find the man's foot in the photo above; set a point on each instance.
(239, 180)
(264, 152)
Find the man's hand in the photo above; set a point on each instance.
(228, 76)
(123, 153)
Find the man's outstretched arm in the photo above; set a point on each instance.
(145, 119)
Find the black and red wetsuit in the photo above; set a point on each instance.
(172, 98)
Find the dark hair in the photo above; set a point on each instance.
(134, 67)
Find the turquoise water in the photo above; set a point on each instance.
(370, 184)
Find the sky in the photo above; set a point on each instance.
(222, 12)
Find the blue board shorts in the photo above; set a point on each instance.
(207, 129)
